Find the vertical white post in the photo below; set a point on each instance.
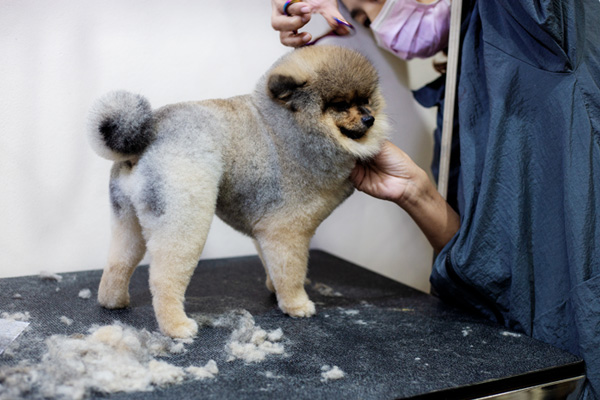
(450, 96)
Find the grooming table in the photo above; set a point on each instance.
(390, 340)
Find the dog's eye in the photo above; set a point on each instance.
(340, 105)
(362, 101)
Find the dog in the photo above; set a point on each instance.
(272, 164)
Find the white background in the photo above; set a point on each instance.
(57, 56)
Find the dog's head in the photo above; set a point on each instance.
(335, 91)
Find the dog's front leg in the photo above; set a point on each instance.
(285, 255)
(268, 281)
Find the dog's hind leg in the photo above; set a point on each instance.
(285, 255)
(182, 205)
(127, 248)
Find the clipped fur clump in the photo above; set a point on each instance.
(248, 341)
(272, 164)
(18, 316)
(331, 373)
(111, 358)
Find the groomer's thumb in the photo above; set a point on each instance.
(337, 22)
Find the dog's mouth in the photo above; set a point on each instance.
(354, 135)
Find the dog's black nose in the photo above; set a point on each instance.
(368, 120)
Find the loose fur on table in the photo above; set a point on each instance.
(272, 164)
(108, 359)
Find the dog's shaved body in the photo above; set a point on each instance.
(273, 165)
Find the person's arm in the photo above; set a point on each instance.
(393, 176)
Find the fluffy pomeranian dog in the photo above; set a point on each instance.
(272, 164)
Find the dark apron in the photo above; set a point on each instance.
(528, 251)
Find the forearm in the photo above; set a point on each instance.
(438, 221)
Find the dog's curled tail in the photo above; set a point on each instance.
(120, 125)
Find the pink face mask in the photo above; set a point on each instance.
(411, 29)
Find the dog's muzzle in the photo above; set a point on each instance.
(367, 122)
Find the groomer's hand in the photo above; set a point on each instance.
(393, 175)
(389, 176)
(298, 15)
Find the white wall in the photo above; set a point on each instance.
(57, 56)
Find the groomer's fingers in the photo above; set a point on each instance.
(300, 8)
(283, 23)
(330, 11)
(294, 39)
(298, 15)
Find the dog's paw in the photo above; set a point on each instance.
(185, 329)
(113, 300)
(306, 309)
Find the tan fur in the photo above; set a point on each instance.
(273, 165)
(283, 241)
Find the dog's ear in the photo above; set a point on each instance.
(285, 88)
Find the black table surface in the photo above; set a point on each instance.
(390, 340)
